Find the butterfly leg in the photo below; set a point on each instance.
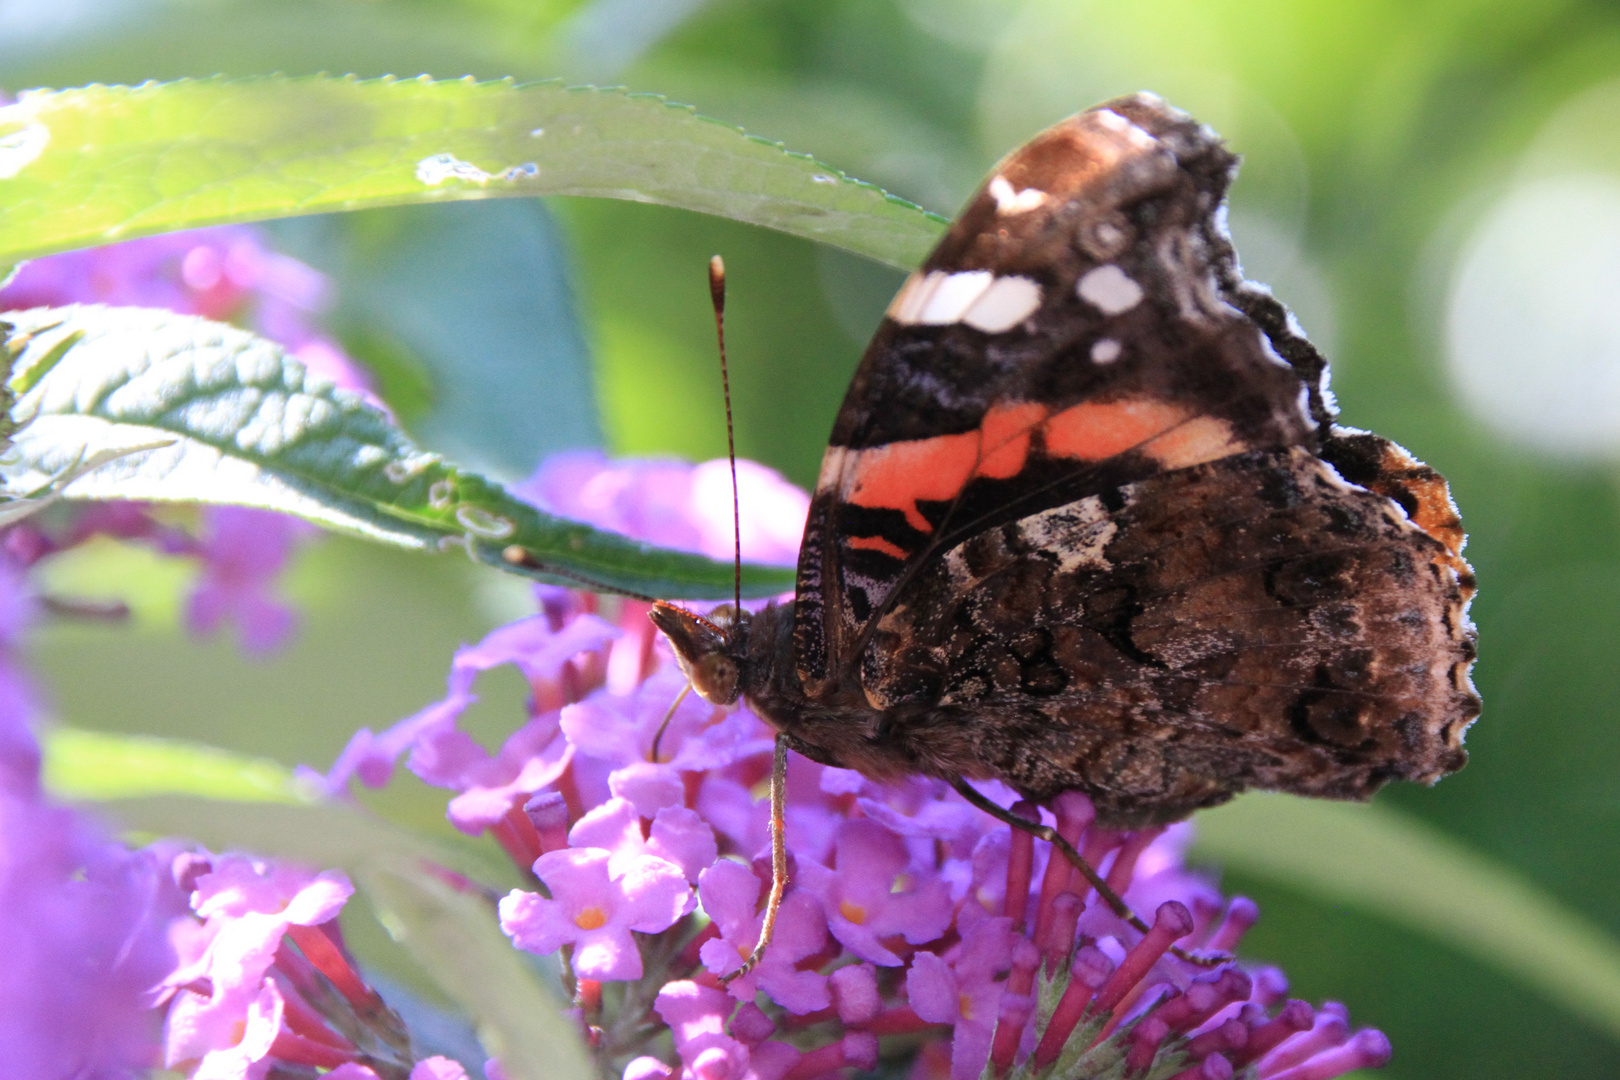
(1109, 896)
(779, 866)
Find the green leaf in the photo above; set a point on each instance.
(13, 510)
(324, 834)
(102, 163)
(1394, 866)
(455, 937)
(100, 765)
(247, 425)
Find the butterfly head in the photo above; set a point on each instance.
(711, 650)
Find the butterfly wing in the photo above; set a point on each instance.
(1082, 338)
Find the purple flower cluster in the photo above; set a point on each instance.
(264, 982)
(673, 503)
(915, 928)
(224, 273)
(82, 930)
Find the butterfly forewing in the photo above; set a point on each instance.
(1069, 335)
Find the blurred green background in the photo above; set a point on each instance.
(1433, 186)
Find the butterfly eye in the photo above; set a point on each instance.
(716, 678)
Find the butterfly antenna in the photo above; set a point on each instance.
(717, 293)
(779, 868)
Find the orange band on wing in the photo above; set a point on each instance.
(896, 476)
(899, 475)
(1093, 431)
(878, 543)
(1004, 438)
(1201, 439)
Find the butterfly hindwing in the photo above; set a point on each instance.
(1249, 622)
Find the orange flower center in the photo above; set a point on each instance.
(592, 918)
(852, 911)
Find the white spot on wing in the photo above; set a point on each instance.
(1105, 351)
(907, 303)
(19, 149)
(1114, 122)
(1006, 303)
(951, 298)
(902, 298)
(832, 468)
(1009, 201)
(961, 575)
(1109, 289)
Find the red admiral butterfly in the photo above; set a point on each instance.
(1086, 522)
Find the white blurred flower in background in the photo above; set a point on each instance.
(1532, 318)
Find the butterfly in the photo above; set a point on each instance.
(1086, 521)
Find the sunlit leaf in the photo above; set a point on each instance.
(17, 509)
(456, 938)
(1391, 865)
(247, 425)
(101, 765)
(100, 163)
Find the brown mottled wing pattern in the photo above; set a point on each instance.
(1250, 622)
